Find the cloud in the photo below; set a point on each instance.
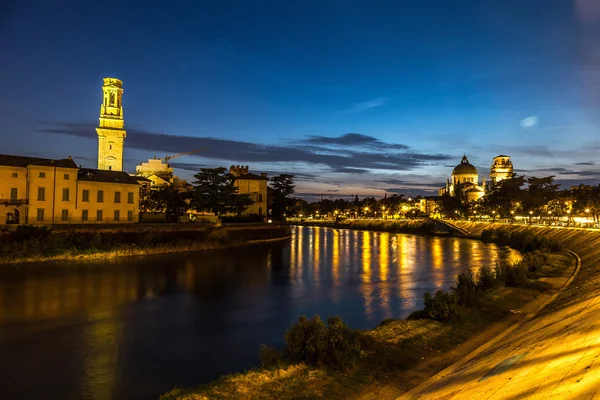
(529, 122)
(379, 157)
(366, 105)
(587, 11)
(354, 140)
(585, 163)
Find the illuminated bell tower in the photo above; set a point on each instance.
(111, 135)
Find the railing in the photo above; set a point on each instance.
(14, 202)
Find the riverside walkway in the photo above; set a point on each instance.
(551, 354)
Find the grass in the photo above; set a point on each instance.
(398, 354)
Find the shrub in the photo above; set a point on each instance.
(441, 306)
(334, 345)
(466, 289)
(270, 357)
(486, 278)
(29, 232)
(514, 275)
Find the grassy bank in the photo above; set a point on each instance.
(34, 244)
(395, 356)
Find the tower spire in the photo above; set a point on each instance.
(111, 135)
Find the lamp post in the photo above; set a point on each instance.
(587, 214)
(568, 217)
(530, 214)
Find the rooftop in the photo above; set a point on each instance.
(21, 161)
(100, 175)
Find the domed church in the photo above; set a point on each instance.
(464, 182)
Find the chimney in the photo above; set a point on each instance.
(70, 158)
(263, 175)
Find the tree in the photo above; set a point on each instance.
(539, 194)
(214, 190)
(505, 197)
(283, 186)
(170, 200)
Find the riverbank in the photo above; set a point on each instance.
(398, 351)
(554, 354)
(34, 245)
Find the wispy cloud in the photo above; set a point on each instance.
(353, 140)
(366, 105)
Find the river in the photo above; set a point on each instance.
(133, 328)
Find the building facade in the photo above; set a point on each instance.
(501, 169)
(254, 185)
(111, 133)
(44, 192)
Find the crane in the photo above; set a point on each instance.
(167, 157)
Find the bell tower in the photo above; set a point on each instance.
(111, 135)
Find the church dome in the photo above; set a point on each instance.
(464, 168)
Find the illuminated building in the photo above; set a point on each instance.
(502, 168)
(42, 191)
(254, 185)
(111, 135)
(464, 183)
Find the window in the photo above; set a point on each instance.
(110, 168)
(40, 214)
(42, 174)
(66, 176)
(84, 215)
(117, 215)
(99, 215)
(100, 196)
(260, 197)
(85, 195)
(130, 197)
(41, 194)
(117, 197)
(15, 174)
(129, 215)
(65, 215)
(14, 193)
(65, 194)
(110, 146)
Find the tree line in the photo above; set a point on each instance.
(213, 190)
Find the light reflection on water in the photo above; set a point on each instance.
(137, 327)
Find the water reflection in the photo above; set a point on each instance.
(137, 327)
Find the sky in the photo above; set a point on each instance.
(351, 97)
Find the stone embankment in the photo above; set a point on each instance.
(553, 354)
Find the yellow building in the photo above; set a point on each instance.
(501, 169)
(254, 185)
(111, 135)
(43, 191)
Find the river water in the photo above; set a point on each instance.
(133, 328)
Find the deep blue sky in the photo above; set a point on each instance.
(280, 85)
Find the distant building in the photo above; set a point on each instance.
(44, 191)
(159, 173)
(464, 183)
(111, 135)
(254, 185)
(502, 168)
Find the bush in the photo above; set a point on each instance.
(486, 278)
(514, 275)
(270, 357)
(441, 306)
(524, 241)
(29, 232)
(334, 345)
(466, 289)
